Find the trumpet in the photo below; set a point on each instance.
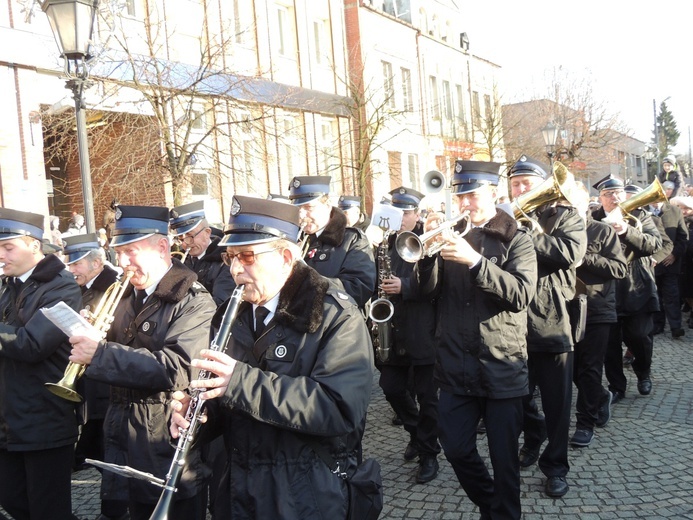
(181, 254)
(412, 247)
(101, 319)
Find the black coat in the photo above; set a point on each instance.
(601, 266)
(637, 292)
(144, 358)
(308, 376)
(345, 256)
(212, 272)
(677, 231)
(482, 312)
(414, 321)
(34, 352)
(559, 249)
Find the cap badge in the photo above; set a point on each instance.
(235, 207)
(118, 213)
(523, 158)
(296, 183)
(458, 168)
(341, 199)
(402, 191)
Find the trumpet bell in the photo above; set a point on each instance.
(412, 247)
(66, 387)
(650, 195)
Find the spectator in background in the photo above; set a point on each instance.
(671, 173)
(685, 204)
(56, 239)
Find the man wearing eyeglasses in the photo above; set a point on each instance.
(193, 232)
(636, 294)
(340, 253)
(161, 323)
(295, 379)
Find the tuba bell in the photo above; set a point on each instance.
(560, 185)
(650, 195)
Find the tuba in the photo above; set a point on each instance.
(101, 319)
(412, 247)
(382, 309)
(559, 186)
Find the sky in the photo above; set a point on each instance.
(635, 52)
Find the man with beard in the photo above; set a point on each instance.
(338, 252)
(192, 230)
(38, 429)
(161, 323)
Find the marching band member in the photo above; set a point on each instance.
(351, 206)
(38, 429)
(294, 382)
(484, 282)
(161, 323)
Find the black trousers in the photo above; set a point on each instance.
(588, 369)
(37, 484)
(553, 374)
(669, 301)
(634, 331)
(421, 423)
(458, 416)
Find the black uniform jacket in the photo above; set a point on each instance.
(675, 228)
(344, 255)
(212, 272)
(34, 352)
(637, 292)
(308, 376)
(144, 358)
(559, 249)
(413, 323)
(482, 312)
(601, 266)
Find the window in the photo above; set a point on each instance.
(435, 101)
(461, 116)
(131, 8)
(200, 183)
(407, 101)
(447, 100)
(322, 48)
(488, 109)
(284, 31)
(198, 120)
(476, 109)
(413, 165)
(329, 146)
(388, 84)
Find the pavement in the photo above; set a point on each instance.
(639, 466)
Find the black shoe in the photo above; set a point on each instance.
(645, 386)
(396, 421)
(528, 456)
(582, 438)
(628, 358)
(428, 469)
(556, 487)
(411, 452)
(617, 396)
(677, 333)
(604, 411)
(481, 427)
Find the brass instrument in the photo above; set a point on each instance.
(181, 254)
(382, 309)
(101, 319)
(195, 411)
(412, 247)
(559, 186)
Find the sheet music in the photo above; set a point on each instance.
(70, 322)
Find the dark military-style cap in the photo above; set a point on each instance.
(632, 188)
(349, 201)
(608, 183)
(406, 198)
(185, 218)
(471, 175)
(528, 166)
(15, 224)
(254, 221)
(305, 189)
(134, 223)
(76, 247)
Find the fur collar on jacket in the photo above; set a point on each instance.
(174, 285)
(47, 269)
(213, 251)
(301, 299)
(502, 226)
(333, 234)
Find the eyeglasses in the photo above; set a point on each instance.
(244, 257)
(190, 238)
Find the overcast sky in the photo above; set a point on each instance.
(635, 51)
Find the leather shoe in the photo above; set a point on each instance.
(556, 487)
(582, 438)
(645, 386)
(604, 411)
(677, 333)
(428, 469)
(617, 396)
(396, 421)
(528, 457)
(411, 452)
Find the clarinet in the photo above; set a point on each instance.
(195, 411)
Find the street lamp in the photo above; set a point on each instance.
(550, 134)
(72, 22)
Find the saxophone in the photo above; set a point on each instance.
(382, 309)
(101, 319)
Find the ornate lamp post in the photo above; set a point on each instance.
(550, 134)
(72, 22)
